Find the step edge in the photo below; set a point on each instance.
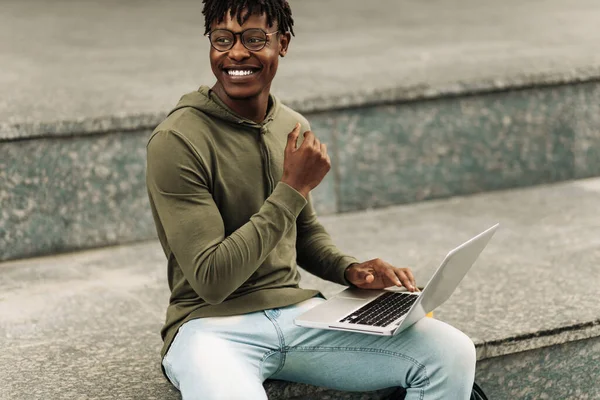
(536, 340)
(84, 126)
(485, 349)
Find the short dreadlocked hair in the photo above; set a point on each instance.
(275, 10)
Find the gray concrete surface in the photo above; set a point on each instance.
(85, 325)
(68, 62)
(569, 371)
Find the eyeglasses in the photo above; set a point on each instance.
(253, 39)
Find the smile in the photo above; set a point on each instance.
(237, 72)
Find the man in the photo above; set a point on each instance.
(229, 187)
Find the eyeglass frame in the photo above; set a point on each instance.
(235, 35)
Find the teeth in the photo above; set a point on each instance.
(237, 72)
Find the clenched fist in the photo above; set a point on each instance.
(305, 167)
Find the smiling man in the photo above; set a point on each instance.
(229, 177)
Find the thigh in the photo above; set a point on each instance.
(210, 354)
(430, 357)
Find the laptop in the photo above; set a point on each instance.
(389, 311)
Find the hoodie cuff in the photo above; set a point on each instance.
(343, 264)
(289, 198)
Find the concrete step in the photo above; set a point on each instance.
(93, 66)
(462, 100)
(68, 193)
(85, 325)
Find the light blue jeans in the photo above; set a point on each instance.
(228, 358)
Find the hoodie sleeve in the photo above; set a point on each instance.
(214, 265)
(316, 251)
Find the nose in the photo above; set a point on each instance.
(238, 52)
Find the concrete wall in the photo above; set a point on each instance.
(76, 191)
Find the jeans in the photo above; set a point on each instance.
(228, 358)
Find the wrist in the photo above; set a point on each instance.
(348, 269)
(303, 190)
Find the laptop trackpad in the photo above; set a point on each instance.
(331, 310)
(361, 294)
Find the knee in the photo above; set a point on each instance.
(462, 356)
(205, 354)
(202, 366)
(456, 357)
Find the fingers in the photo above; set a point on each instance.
(406, 278)
(378, 274)
(325, 156)
(411, 277)
(398, 276)
(309, 139)
(292, 142)
(391, 275)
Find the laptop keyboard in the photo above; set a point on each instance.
(383, 310)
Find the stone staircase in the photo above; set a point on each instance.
(85, 325)
(475, 114)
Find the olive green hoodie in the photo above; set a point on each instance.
(231, 231)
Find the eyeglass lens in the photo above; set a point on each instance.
(252, 39)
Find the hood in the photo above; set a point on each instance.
(206, 101)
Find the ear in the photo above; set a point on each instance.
(284, 43)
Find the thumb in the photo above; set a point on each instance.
(292, 142)
(366, 276)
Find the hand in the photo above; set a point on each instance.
(305, 167)
(377, 274)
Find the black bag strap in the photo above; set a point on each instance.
(477, 393)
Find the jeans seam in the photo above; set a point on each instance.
(265, 358)
(365, 350)
(281, 342)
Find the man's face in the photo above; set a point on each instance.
(262, 64)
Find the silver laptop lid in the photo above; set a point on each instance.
(453, 269)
